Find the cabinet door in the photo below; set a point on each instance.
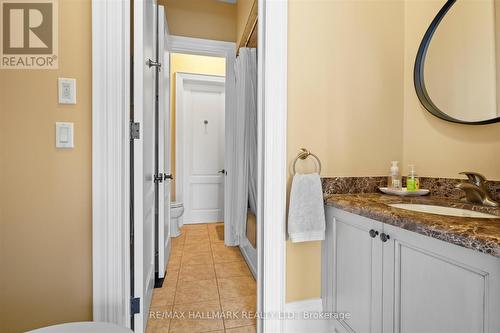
(357, 271)
(431, 286)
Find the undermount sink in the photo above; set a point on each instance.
(440, 210)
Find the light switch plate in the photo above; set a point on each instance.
(67, 90)
(64, 135)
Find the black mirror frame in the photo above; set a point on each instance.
(418, 73)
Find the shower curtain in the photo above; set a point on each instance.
(246, 139)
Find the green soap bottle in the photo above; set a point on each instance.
(412, 181)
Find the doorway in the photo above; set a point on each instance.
(111, 135)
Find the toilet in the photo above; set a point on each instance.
(83, 327)
(176, 211)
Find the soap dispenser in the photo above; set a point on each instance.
(394, 180)
(412, 181)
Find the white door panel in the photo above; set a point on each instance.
(201, 132)
(163, 145)
(144, 156)
(352, 273)
(357, 275)
(453, 288)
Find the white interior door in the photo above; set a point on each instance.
(163, 145)
(143, 159)
(201, 136)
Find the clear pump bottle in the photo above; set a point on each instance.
(394, 180)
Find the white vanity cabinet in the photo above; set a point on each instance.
(410, 283)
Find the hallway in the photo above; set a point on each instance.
(208, 287)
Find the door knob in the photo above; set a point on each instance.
(384, 237)
(165, 177)
(373, 233)
(223, 171)
(151, 63)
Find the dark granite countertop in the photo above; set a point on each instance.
(474, 233)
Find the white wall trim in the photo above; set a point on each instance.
(208, 47)
(181, 184)
(297, 322)
(307, 305)
(272, 123)
(110, 161)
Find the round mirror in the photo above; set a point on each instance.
(457, 70)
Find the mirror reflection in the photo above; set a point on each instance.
(462, 66)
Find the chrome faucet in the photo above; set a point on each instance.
(476, 190)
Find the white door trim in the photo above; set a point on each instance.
(272, 124)
(110, 161)
(181, 79)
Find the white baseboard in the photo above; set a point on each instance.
(301, 325)
(307, 305)
(250, 255)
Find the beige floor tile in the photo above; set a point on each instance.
(244, 329)
(179, 240)
(197, 234)
(163, 296)
(197, 247)
(177, 250)
(213, 234)
(196, 291)
(201, 258)
(214, 239)
(232, 269)
(159, 319)
(237, 287)
(196, 272)
(222, 253)
(192, 324)
(245, 307)
(197, 238)
(170, 280)
(202, 228)
(194, 228)
(174, 263)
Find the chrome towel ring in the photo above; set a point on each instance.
(303, 154)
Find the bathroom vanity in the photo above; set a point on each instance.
(395, 270)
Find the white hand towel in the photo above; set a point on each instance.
(306, 213)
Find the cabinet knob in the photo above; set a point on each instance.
(384, 237)
(373, 233)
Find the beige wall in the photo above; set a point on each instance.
(345, 97)
(243, 10)
(186, 63)
(436, 147)
(209, 19)
(45, 194)
(353, 103)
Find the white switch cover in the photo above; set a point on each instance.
(64, 135)
(67, 90)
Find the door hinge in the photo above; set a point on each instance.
(135, 130)
(159, 178)
(135, 306)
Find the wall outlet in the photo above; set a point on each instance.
(67, 90)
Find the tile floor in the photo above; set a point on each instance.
(204, 276)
